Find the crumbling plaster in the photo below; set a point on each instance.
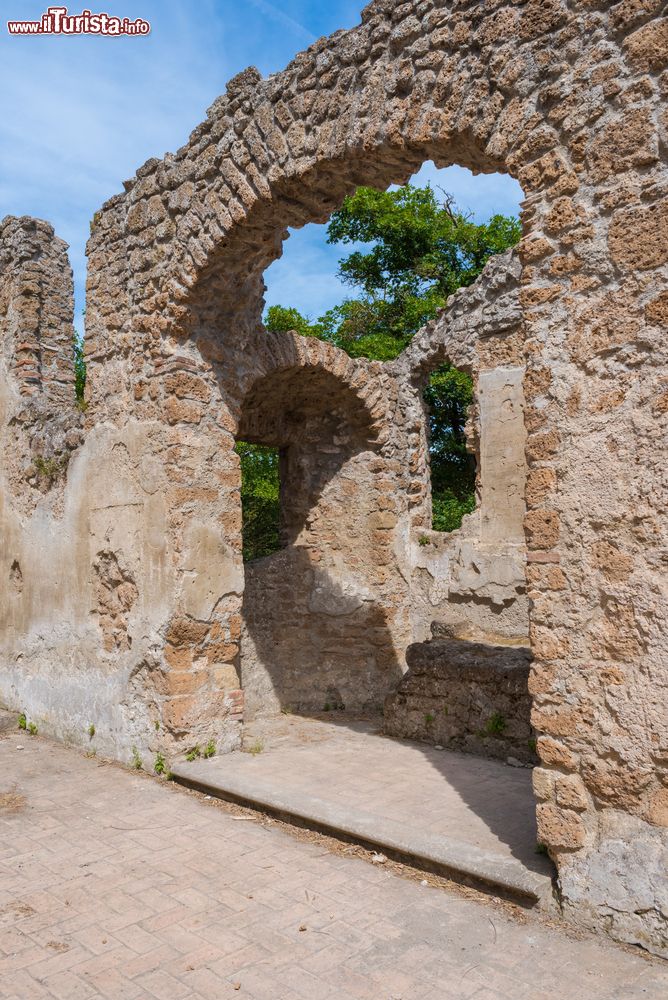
(569, 99)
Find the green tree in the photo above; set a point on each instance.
(417, 251)
(260, 499)
(79, 371)
(280, 319)
(448, 395)
(410, 252)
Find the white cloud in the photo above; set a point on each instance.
(82, 113)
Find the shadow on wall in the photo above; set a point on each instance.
(323, 615)
(313, 642)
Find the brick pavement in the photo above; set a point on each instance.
(116, 886)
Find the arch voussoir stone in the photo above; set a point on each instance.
(565, 340)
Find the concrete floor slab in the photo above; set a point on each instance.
(470, 817)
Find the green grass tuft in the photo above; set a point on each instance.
(495, 725)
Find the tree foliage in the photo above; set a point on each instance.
(260, 499)
(448, 396)
(282, 319)
(416, 251)
(79, 371)
(409, 252)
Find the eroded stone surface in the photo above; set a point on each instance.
(568, 99)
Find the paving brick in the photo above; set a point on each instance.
(68, 986)
(142, 927)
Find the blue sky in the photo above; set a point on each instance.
(81, 113)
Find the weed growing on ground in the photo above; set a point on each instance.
(23, 724)
(257, 747)
(209, 749)
(160, 765)
(137, 762)
(32, 728)
(12, 801)
(193, 753)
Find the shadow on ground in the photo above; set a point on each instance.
(373, 772)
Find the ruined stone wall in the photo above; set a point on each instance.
(473, 579)
(36, 309)
(39, 415)
(468, 696)
(82, 561)
(86, 577)
(570, 100)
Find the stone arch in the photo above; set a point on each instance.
(568, 99)
(369, 106)
(325, 617)
(287, 361)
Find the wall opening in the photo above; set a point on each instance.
(382, 267)
(260, 499)
(328, 614)
(416, 262)
(387, 260)
(448, 395)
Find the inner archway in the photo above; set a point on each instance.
(318, 633)
(409, 249)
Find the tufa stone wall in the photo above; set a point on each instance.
(41, 422)
(466, 696)
(36, 309)
(570, 100)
